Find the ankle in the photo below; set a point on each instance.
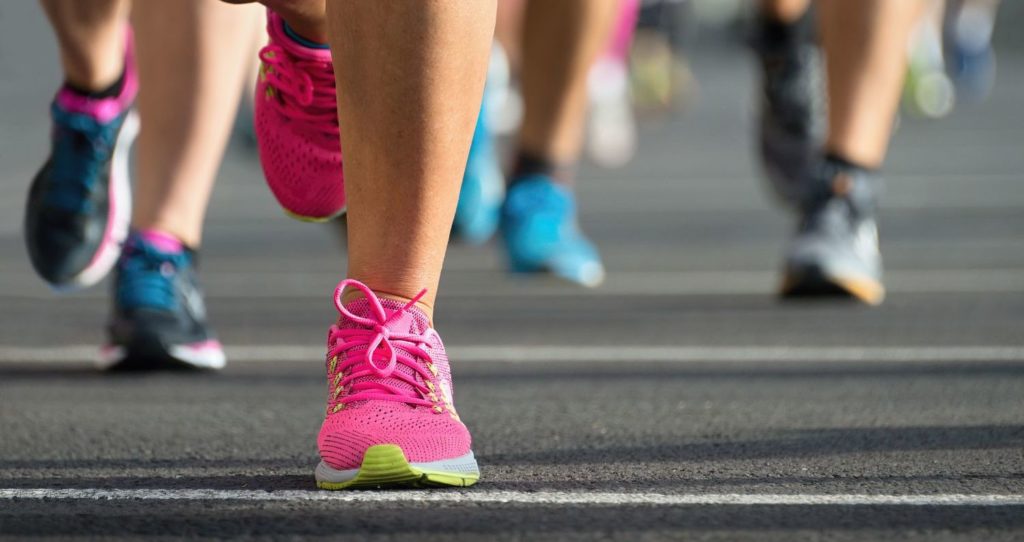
(528, 164)
(307, 21)
(302, 39)
(164, 240)
(840, 161)
(96, 86)
(187, 236)
(353, 294)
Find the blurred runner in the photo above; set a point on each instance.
(403, 105)
(187, 77)
(660, 76)
(560, 42)
(611, 126)
(548, 239)
(968, 36)
(928, 90)
(835, 186)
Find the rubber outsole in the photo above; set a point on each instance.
(151, 355)
(385, 466)
(314, 219)
(813, 282)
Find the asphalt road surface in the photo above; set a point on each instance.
(682, 400)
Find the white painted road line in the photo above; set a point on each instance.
(589, 354)
(486, 283)
(474, 496)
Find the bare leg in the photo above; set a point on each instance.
(561, 41)
(508, 30)
(91, 39)
(865, 45)
(408, 109)
(191, 81)
(419, 90)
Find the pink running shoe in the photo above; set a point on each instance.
(297, 126)
(390, 418)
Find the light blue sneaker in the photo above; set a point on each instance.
(542, 234)
(483, 187)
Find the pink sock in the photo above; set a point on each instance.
(163, 241)
(622, 37)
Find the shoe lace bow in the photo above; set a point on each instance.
(362, 360)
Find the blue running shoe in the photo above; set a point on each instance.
(159, 319)
(974, 72)
(483, 187)
(542, 234)
(79, 203)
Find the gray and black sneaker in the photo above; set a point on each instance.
(792, 107)
(159, 318)
(835, 249)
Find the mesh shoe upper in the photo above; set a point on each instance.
(297, 126)
(541, 233)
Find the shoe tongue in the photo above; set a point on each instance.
(411, 321)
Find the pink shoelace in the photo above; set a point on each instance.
(306, 87)
(363, 376)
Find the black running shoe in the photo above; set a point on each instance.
(79, 204)
(159, 319)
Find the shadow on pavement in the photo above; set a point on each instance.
(789, 444)
(223, 519)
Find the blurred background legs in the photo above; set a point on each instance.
(191, 82)
(78, 206)
(865, 44)
(190, 68)
(835, 248)
(611, 125)
(192, 61)
(560, 41)
(791, 102)
(969, 25)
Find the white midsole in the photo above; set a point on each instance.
(465, 464)
(204, 358)
(120, 192)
